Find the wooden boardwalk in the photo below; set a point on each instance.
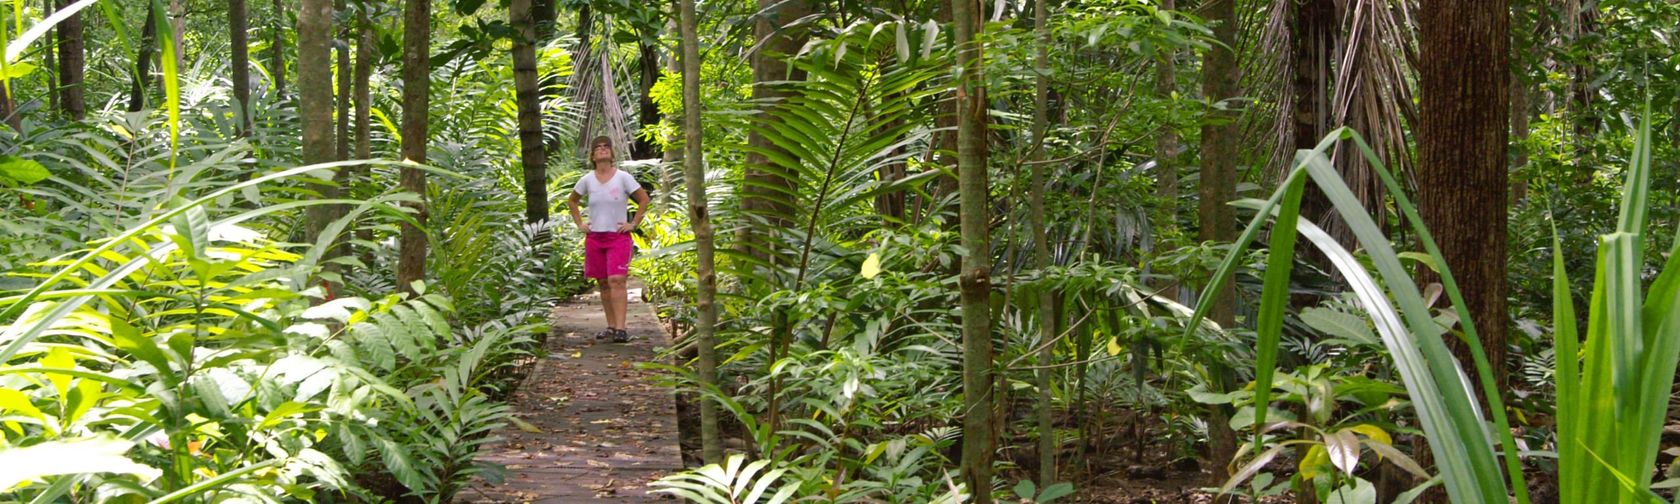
(606, 429)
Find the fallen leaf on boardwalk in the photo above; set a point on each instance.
(577, 355)
(597, 463)
(523, 425)
(602, 421)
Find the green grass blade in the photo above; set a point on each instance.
(171, 80)
(1274, 296)
(1566, 354)
(1490, 390)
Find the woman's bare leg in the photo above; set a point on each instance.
(607, 300)
(620, 299)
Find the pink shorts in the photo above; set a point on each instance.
(606, 254)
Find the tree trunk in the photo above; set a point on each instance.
(1166, 149)
(1461, 175)
(1312, 42)
(544, 14)
(1218, 180)
(315, 101)
(416, 73)
(694, 173)
(648, 111)
(529, 104)
(277, 51)
(143, 63)
(72, 59)
(8, 109)
(51, 57)
(1041, 247)
(364, 145)
(975, 279)
(758, 198)
(240, 44)
(362, 92)
(342, 138)
(769, 65)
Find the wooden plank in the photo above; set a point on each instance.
(606, 430)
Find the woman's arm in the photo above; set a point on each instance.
(641, 197)
(572, 204)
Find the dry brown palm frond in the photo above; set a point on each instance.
(592, 86)
(1358, 66)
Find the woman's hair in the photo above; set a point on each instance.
(599, 141)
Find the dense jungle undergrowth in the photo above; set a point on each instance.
(1309, 251)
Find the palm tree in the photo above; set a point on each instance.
(531, 153)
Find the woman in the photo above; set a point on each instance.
(606, 247)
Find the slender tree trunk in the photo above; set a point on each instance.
(178, 27)
(694, 173)
(648, 111)
(277, 51)
(975, 280)
(8, 109)
(1167, 147)
(1462, 178)
(72, 59)
(363, 99)
(529, 105)
(416, 73)
(342, 51)
(362, 91)
(1218, 180)
(51, 56)
(239, 40)
(143, 63)
(315, 101)
(1041, 247)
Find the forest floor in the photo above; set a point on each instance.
(603, 429)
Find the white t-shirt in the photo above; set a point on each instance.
(609, 203)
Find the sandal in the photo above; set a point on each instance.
(605, 333)
(621, 336)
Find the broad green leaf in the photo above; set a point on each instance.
(75, 456)
(24, 171)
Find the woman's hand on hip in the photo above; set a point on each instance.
(625, 227)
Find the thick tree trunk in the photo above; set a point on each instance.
(647, 111)
(529, 104)
(694, 173)
(1461, 175)
(143, 63)
(769, 64)
(1312, 45)
(975, 279)
(240, 44)
(416, 73)
(1041, 248)
(1218, 181)
(315, 101)
(342, 51)
(277, 51)
(758, 198)
(544, 13)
